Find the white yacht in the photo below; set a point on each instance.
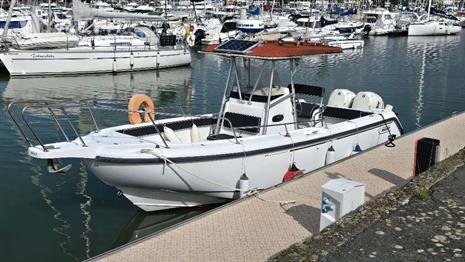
(262, 133)
(431, 27)
(380, 21)
(99, 54)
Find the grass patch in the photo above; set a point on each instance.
(422, 193)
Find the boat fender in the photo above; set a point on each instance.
(171, 136)
(195, 134)
(114, 66)
(131, 60)
(292, 173)
(243, 185)
(134, 105)
(357, 149)
(330, 156)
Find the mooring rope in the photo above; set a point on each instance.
(250, 192)
(167, 160)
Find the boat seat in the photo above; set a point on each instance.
(344, 113)
(241, 120)
(306, 110)
(213, 137)
(309, 90)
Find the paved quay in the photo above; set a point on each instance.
(427, 229)
(255, 228)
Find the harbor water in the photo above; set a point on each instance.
(74, 216)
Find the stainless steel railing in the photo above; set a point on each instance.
(36, 140)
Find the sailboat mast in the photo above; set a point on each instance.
(8, 19)
(429, 8)
(49, 16)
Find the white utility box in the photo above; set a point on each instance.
(339, 197)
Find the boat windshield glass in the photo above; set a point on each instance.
(256, 79)
(371, 19)
(228, 26)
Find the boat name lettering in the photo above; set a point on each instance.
(43, 56)
(383, 130)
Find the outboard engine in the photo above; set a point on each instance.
(341, 98)
(367, 101)
(199, 35)
(367, 29)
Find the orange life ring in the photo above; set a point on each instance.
(135, 104)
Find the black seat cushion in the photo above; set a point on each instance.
(344, 113)
(219, 137)
(240, 120)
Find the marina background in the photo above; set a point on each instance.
(75, 216)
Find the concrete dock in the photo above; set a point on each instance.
(255, 228)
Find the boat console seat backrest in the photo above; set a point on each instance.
(309, 90)
(306, 110)
(243, 114)
(243, 122)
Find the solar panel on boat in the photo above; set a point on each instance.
(236, 46)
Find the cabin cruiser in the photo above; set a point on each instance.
(263, 132)
(218, 33)
(380, 21)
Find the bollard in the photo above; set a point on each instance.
(427, 153)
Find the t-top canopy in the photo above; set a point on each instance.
(271, 50)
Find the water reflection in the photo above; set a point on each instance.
(162, 85)
(77, 216)
(144, 224)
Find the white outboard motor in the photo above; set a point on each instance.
(367, 101)
(341, 98)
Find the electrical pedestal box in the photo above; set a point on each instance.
(339, 197)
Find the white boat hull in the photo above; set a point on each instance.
(347, 44)
(432, 28)
(87, 60)
(212, 178)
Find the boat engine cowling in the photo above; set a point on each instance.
(341, 98)
(367, 101)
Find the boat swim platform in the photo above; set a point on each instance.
(256, 227)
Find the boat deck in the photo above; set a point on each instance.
(255, 228)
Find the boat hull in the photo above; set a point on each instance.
(183, 182)
(86, 61)
(432, 28)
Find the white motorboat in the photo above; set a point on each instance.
(344, 42)
(380, 21)
(431, 27)
(98, 55)
(217, 32)
(261, 135)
